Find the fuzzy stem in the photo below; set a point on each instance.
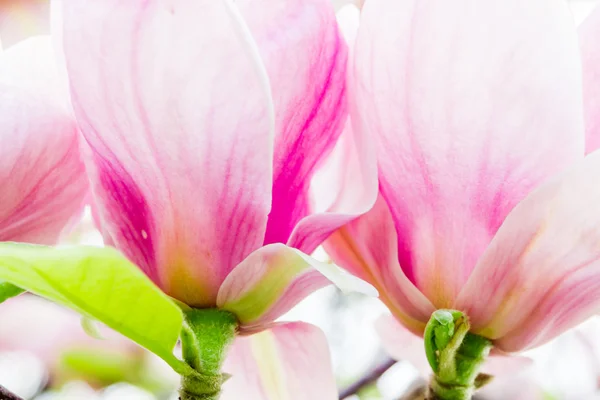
(205, 339)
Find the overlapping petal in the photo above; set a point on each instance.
(273, 279)
(472, 104)
(346, 184)
(180, 135)
(367, 248)
(541, 274)
(41, 173)
(305, 56)
(401, 344)
(288, 362)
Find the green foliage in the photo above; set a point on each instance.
(101, 284)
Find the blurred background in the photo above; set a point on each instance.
(47, 352)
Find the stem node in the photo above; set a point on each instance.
(455, 356)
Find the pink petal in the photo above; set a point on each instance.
(401, 344)
(344, 188)
(174, 102)
(541, 274)
(32, 66)
(589, 39)
(273, 279)
(41, 174)
(367, 248)
(520, 386)
(290, 361)
(346, 185)
(504, 364)
(472, 104)
(305, 57)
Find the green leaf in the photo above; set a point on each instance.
(8, 290)
(101, 284)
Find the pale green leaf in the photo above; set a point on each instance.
(101, 284)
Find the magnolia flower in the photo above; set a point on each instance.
(487, 204)
(206, 121)
(42, 177)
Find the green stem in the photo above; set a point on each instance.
(205, 339)
(455, 355)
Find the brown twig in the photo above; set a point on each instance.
(369, 378)
(5, 394)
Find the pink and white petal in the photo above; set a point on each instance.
(56, 32)
(273, 279)
(472, 104)
(180, 127)
(345, 186)
(367, 248)
(589, 40)
(401, 344)
(502, 364)
(41, 172)
(32, 66)
(306, 58)
(541, 274)
(520, 386)
(287, 362)
(344, 162)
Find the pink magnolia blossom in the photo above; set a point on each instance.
(41, 174)
(206, 121)
(487, 203)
